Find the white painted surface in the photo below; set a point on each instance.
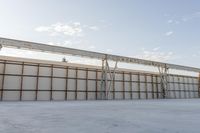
(13, 78)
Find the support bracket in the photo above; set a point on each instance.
(107, 80)
(163, 73)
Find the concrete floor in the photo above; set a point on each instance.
(138, 116)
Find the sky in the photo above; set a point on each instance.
(159, 30)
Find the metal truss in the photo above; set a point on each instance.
(107, 75)
(163, 73)
(4, 42)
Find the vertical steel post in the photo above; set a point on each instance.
(145, 80)
(51, 89)
(123, 85)
(185, 92)
(76, 84)
(199, 85)
(102, 80)
(86, 85)
(179, 87)
(96, 82)
(113, 87)
(152, 87)
(37, 82)
(3, 78)
(139, 96)
(193, 88)
(131, 87)
(66, 83)
(188, 86)
(21, 84)
(157, 93)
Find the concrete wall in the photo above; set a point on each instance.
(39, 80)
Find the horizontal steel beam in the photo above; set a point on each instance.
(5, 42)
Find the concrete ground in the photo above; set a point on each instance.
(137, 116)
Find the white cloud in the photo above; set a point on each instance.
(94, 28)
(156, 55)
(67, 29)
(169, 33)
(109, 50)
(156, 48)
(183, 19)
(170, 21)
(42, 28)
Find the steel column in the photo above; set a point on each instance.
(199, 85)
(3, 78)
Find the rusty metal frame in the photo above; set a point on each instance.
(146, 91)
(113, 87)
(131, 86)
(193, 88)
(51, 86)
(152, 86)
(37, 82)
(3, 78)
(157, 94)
(199, 85)
(76, 85)
(189, 93)
(96, 84)
(184, 88)
(179, 88)
(22, 77)
(95, 79)
(123, 85)
(66, 83)
(86, 85)
(139, 89)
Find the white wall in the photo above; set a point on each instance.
(27, 82)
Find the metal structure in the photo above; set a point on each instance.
(106, 70)
(27, 79)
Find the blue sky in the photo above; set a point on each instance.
(151, 29)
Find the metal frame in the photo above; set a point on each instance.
(2, 84)
(163, 73)
(66, 83)
(37, 82)
(106, 83)
(199, 85)
(21, 84)
(5, 42)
